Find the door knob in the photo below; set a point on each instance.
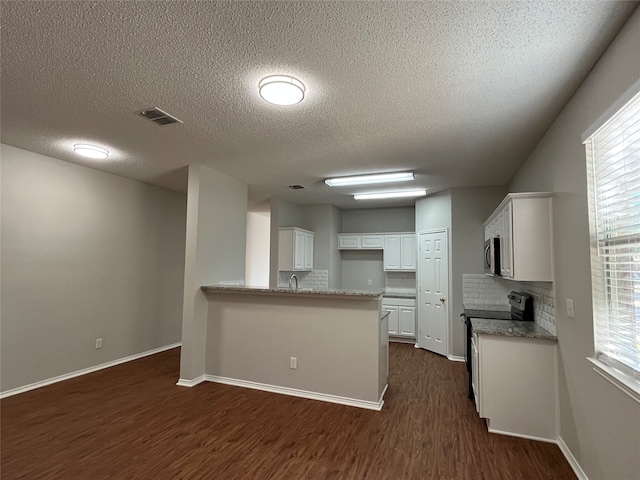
(442, 299)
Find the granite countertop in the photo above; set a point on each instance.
(399, 295)
(353, 294)
(510, 328)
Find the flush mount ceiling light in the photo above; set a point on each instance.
(90, 151)
(367, 179)
(375, 196)
(281, 90)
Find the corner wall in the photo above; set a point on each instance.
(215, 252)
(599, 424)
(85, 255)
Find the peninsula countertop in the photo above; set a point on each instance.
(510, 328)
(300, 292)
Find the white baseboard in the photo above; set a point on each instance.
(324, 397)
(528, 437)
(456, 358)
(402, 340)
(84, 371)
(577, 469)
(191, 383)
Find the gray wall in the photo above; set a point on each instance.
(85, 255)
(215, 251)
(360, 266)
(325, 221)
(378, 220)
(598, 422)
(470, 207)
(283, 214)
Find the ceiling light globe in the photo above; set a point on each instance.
(91, 151)
(281, 90)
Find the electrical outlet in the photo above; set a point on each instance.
(369, 282)
(570, 312)
(98, 343)
(293, 363)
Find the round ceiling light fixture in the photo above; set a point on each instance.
(281, 90)
(90, 151)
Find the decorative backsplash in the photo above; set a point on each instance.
(484, 292)
(316, 279)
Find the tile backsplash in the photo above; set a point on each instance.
(316, 279)
(484, 292)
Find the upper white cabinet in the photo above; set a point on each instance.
(295, 250)
(400, 252)
(523, 222)
(350, 241)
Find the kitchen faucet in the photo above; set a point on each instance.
(290, 280)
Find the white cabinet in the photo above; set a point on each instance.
(523, 221)
(360, 241)
(400, 252)
(402, 316)
(514, 383)
(295, 250)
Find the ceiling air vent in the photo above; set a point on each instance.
(296, 187)
(158, 116)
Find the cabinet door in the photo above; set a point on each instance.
(408, 252)
(371, 242)
(391, 255)
(308, 251)
(298, 250)
(348, 242)
(475, 369)
(393, 318)
(506, 242)
(407, 321)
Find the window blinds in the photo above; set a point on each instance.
(613, 171)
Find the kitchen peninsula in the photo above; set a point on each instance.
(329, 345)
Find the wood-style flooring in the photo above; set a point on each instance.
(132, 422)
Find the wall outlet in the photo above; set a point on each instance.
(98, 343)
(570, 312)
(293, 362)
(369, 282)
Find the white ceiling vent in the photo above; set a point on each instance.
(158, 116)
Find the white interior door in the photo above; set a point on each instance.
(433, 290)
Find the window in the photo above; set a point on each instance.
(613, 173)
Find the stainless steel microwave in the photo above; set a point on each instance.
(492, 256)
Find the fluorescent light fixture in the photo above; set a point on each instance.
(367, 179)
(90, 151)
(376, 196)
(281, 90)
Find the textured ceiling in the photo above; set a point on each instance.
(459, 92)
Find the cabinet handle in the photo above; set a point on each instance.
(442, 299)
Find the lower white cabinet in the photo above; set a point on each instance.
(402, 316)
(514, 383)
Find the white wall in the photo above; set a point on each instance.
(359, 266)
(215, 251)
(258, 249)
(85, 255)
(599, 423)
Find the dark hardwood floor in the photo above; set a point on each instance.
(131, 421)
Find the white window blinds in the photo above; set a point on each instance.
(613, 171)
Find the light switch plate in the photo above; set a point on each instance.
(570, 312)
